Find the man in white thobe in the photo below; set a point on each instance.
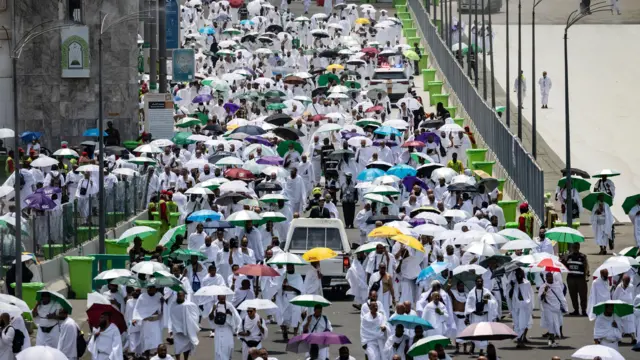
(520, 84)
(225, 327)
(481, 306)
(45, 315)
(373, 332)
(7, 334)
(600, 291)
(356, 277)
(292, 286)
(397, 344)
(185, 325)
(520, 299)
(318, 323)
(625, 292)
(306, 172)
(635, 220)
(436, 314)
(407, 271)
(84, 193)
(607, 330)
(545, 88)
(68, 335)
(458, 301)
(148, 312)
(312, 284)
(602, 224)
(382, 282)
(133, 331)
(554, 306)
(252, 331)
(105, 343)
(295, 191)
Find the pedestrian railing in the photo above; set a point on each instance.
(519, 165)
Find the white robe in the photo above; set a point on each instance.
(295, 191)
(151, 331)
(598, 292)
(107, 346)
(602, 225)
(133, 330)
(605, 332)
(396, 346)
(553, 308)
(521, 310)
(290, 314)
(628, 323)
(356, 277)
(372, 335)
(67, 341)
(635, 220)
(6, 341)
(438, 321)
(224, 340)
(383, 296)
(490, 311)
(545, 87)
(47, 339)
(185, 326)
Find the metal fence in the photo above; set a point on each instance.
(56, 231)
(517, 162)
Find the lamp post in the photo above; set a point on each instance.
(493, 78)
(484, 57)
(475, 49)
(534, 135)
(519, 75)
(508, 79)
(573, 18)
(15, 55)
(101, 193)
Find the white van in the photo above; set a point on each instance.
(306, 234)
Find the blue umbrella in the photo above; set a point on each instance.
(204, 215)
(370, 174)
(40, 201)
(247, 22)
(29, 136)
(431, 271)
(207, 30)
(402, 171)
(387, 130)
(177, 98)
(410, 322)
(92, 133)
(202, 98)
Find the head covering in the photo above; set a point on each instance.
(524, 206)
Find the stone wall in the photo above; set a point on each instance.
(63, 108)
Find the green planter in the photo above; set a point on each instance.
(29, 291)
(173, 218)
(413, 39)
(86, 233)
(511, 225)
(475, 155)
(80, 275)
(52, 250)
(434, 87)
(452, 110)
(428, 75)
(400, 8)
(509, 209)
(439, 25)
(423, 63)
(486, 166)
(458, 121)
(113, 248)
(439, 98)
(150, 242)
(407, 22)
(400, 3)
(501, 182)
(410, 32)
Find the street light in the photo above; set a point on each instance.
(493, 78)
(508, 79)
(15, 55)
(101, 194)
(573, 18)
(534, 135)
(519, 75)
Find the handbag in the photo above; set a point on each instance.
(220, 318)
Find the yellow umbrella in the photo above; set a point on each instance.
(384, 231)
(410, 241)
(363, 21)
(335, 66)
(319, 254)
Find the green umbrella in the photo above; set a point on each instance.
(274, 93)
(283, 147)
(9, 223)
(416, 156)
(188, 122)
(164, 281)
(630, 202)
(356, 85)
(276, 106)
(225, 53)
(411, 55)
(169, 238)
(325, 79)
(127, 281)
(181, 138)
(577, 183)
(620, 307)
(231, 31)
(564, 234)
(200, 116)
(501, 109)
(273, 216)
(631, 251)
(57, 297)
(424, 345)
(186, 254)
(590, 201)
(363, 123)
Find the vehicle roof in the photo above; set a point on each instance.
(317, 223)
(389, 69)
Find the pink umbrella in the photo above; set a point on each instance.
(302, 343)
(487, 331)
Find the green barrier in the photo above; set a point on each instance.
(410, 32)
(80, 275)
(400, 2)
(406, 21)
(511, 225)
(400, 8)
(486, 166)
(86, 233)
(475, 155)
(150, 242)
(501, 182)
(52, 250)
(113, 218)
(452, 111)
(423, 63)
(509, 209)
(364, 1)
(413, 39)
(439, 98)
(428, 75)
(29, 291)
(458, 121)
(174, 217)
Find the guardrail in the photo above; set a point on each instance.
(519, 165)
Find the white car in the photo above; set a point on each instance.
(306, 234)
(394, 81)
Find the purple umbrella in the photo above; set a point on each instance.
(301, 343)
(348, 134)
(49, 190)
(424, 136)
(39, 201)
(202, 98)
(270, 160)
(388, 142)
(258, 140)
(410, 181)
(231, 107)
(417, 222)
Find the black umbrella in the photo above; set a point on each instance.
(328, 54)
(506, 269)
(574, 171)
(379, 165)
(268, 186)
(216, 128)
(274, 28)
(115, 150)
(229, 198)
(432, 124)
(278, 119)
(287, 133)
(462, 187)
(425, 171)
(382, 218)
(499, 259)
(219, 155)
(422, 209)
(319, 91)
(339, 6)
(341, 153)
(490, 184)
(249, 130)
(275, 100)
(317, 71)
(249, 37)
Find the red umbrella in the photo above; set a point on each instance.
(96, 310)
(370, 51)
(375, 108)
(318, 117)
(235, 3)
(413, 143)
(240, 174)
(258, 270)
(551, 265)
(487, 331)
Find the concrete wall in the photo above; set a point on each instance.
(64, 108)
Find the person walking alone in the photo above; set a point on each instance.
(545, 87)
(348, 196)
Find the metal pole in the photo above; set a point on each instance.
(441, 19)
(493, 78)
(469, 41)
(460, 30)
(508, 110)
(520, 69)
(534, 135)
(484, 57)
(569, 201)
(445, 22)
(162, 43)
(450, 24)
(101, 197)
(16, 179)
(475, 49)
(153, 49)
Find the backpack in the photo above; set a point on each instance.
(22, 182)
(18, 341)
(81, 344)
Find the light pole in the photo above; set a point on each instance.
(15, 55)
(573, 18)
(534, 135)
(450, 22)
(519, 75)
(475, 49)
(493, 78)
(101, 194)
(484, 57)
(508, 79)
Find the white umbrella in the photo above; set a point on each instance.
(12, 310)
(590, 352)
(136, 231)
(339, 89)
(378, 198)
(12, 300)
(41, 353)
(338, 95)
(279, 171)
(231, 77)
(451, 128)
(202, 191)
(615, 266)
(148, 149)
(198, 137)
(514, 234)
(112, 274)
(456, 214)
(356, 140)
(148, 267)
(479, 270)
(96, 298)
(125, 172)
(446, 173)
(384, 190)
(162, 143)
(410, 103)
(258, 304)
(386, 180)
(44, 161)
(141, 160)
(213, 290)
(229, 161)
(335, 116)
(244, 215)
(273, 197)
(6, 133)
(432, 217)
(370, 246)
(428, 229)
(481, 249)
(396, 123)
(469, 237)
(196, 164)
(329, 127)
(214, 182)
(284, 258)
(234, 186)
(89, 168)
(66, 152)
(6, 190)
(519, 245)
(493, 239)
